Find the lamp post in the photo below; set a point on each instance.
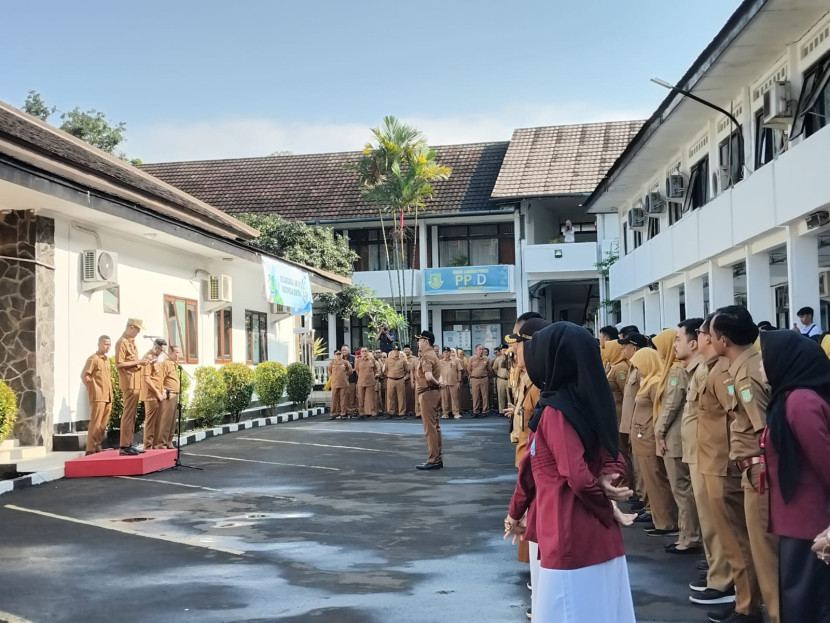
(729, 115)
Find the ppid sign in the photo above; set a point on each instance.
(467, 279)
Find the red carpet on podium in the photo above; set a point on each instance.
(111, 463)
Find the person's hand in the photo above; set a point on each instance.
(821, 546)
(514, 527)
(508, 410)
(661, 447)
(795, 328)
(614, 493)
(624, 519)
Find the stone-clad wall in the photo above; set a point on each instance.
(27, 322)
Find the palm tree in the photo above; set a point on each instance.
(396, 173)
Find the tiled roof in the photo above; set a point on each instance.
(561, 160)
(318, 187)
(35, 142)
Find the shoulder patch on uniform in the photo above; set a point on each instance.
(731, 389)
(622, 375)
(746, 395)
(673, 381)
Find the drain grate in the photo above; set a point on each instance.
(134, 519)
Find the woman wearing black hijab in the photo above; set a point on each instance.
(797, 454)
(583, 576)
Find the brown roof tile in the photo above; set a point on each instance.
(317, 187)
(561, 160)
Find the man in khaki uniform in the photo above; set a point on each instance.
(96, 378)
(129, 381)
(667, 431)
(151, 393)
(396, 371)
(352, 406)
(428, 382)
(339, 371)
(380, 383)
(501, 370)
(733, 333)
(409, 381)
(171, 390)
(479, 369)
(450, 373)
(367, 371)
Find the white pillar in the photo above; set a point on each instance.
(625, 311)
(758, 286)
(694, 298)
(519, 281)
(802, 273)
(721, 286)
(332, 335)
(638, 313)
(653, 317)
(424, 315)
(422, 247)
(670, 306)
(436, 325)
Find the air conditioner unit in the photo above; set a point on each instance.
(98, 268)
(654, 203)
(777, 106)
(824, 283)
(218, 289)
(637, 218)
(675, 187)
(280, 310)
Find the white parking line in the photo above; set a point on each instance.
(315, 429)
(11, 618)
(318, 445)
(231, 458)
(170, 482)
(126, 530)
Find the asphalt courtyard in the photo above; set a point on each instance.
(313, 520)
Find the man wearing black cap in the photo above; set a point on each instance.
(429, 383)
(630, 345)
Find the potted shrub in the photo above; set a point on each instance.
(208, 403)
(269, 382)
(8, 410)
(239, 381)
(299, 382)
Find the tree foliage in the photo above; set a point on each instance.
(8, 410)
(35, 106)
(359, 301)
(312, 245)
(299, 382)
(208, 404)
(239, 382)
(269, 382)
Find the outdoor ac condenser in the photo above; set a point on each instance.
(218, 289)
(98, 268)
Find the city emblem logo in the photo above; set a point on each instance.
(435, 281)
(730, 389)
(746, 395)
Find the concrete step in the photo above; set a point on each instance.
(9, 444)
(53, 460)
(21, 453)
(69, 442)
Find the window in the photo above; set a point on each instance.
(768, 141)
(369, 245)
(181, 326)
(653, 227)
(814, 102)
(675, 209)
(625, 238)
(731, 157)
(222, 327)
(638, 239)
(256, 332)
(697, 193)
(476, 245)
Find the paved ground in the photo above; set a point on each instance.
(307, 521)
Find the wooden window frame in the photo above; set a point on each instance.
(219, 338)
(249, 336)
(189, 343)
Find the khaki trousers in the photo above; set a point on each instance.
(764, 546)
(432, 428)
(395, 397)
(681, 488)
(726, 504)
(481, 398)
(449, 400)
(503, 393)
(338, 400)
(129, 406)
(166, 422)
(663, 508)
(99, 415)
(351, 398)
(719, 575)
(380, 397)
(409, 396)
(366, 400)
(152, 408)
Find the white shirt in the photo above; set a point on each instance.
(568, 234)
(809, 330)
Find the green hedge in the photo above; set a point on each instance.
(8, 410)
(299, 382)
(269, 382)
(239, 382)
(208, 404)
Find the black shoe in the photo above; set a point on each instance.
(713, 596)
(702, 565)
(718, 616)
(699, 585)
(439, 464)
(737, 617)
(643, 517)
(672, 548)
(661, 532)
(332, 417)
(637, 506)
(129, 451)
(528, 613)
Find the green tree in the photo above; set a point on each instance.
(396, 173)
(35, 106)
(359, 301)
(312, 245)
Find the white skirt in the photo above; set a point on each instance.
(597, 593)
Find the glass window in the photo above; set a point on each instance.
(181, 326)
(638, 239)
(476, 245)
(731, 157)
(653, 227)
(814, 102)
(697, 193)
(625, 238)
(768, 141)
(223, 325)
(256, 332)
(372, 252)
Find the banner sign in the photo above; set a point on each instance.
(467, 279)
(286, 285)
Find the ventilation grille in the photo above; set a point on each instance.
(808, 48)
(699, 146)
(723, 124)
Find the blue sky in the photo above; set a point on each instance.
(211, 79)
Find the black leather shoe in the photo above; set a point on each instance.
(643, 517)
(702, 565)
(428, 465)
(672, 548)
(637, 506)
(129, 451)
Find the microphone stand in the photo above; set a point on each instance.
(178, 462)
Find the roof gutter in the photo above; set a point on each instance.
(734, 26)
(422, 216)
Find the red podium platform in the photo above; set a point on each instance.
(111, 463)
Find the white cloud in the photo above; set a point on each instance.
(239, 137)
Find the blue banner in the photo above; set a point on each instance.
(286, 285)
(467, 279)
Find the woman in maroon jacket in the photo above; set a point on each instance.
(797, 461)
(583, 574)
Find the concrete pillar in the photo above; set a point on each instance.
(670, 306)
(347, 332)
(422, 245)
(332, 335)
(637, 313)
(653, 317)
(759, 299)
(721, 286)
(424, 315)
(802, 273)
(436, 325)
(519, 282)
(625, 311)
(694, 298)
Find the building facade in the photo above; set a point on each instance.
(715, 210)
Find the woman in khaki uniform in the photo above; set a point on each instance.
(617, 374)
(644, 445)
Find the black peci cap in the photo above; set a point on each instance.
(427, 335)
(640, 341)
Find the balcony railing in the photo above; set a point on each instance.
(563, 260)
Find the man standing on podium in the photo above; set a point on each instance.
(129, 380)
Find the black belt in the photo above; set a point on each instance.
(428, 389)
(479, 377)
(393, 378)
